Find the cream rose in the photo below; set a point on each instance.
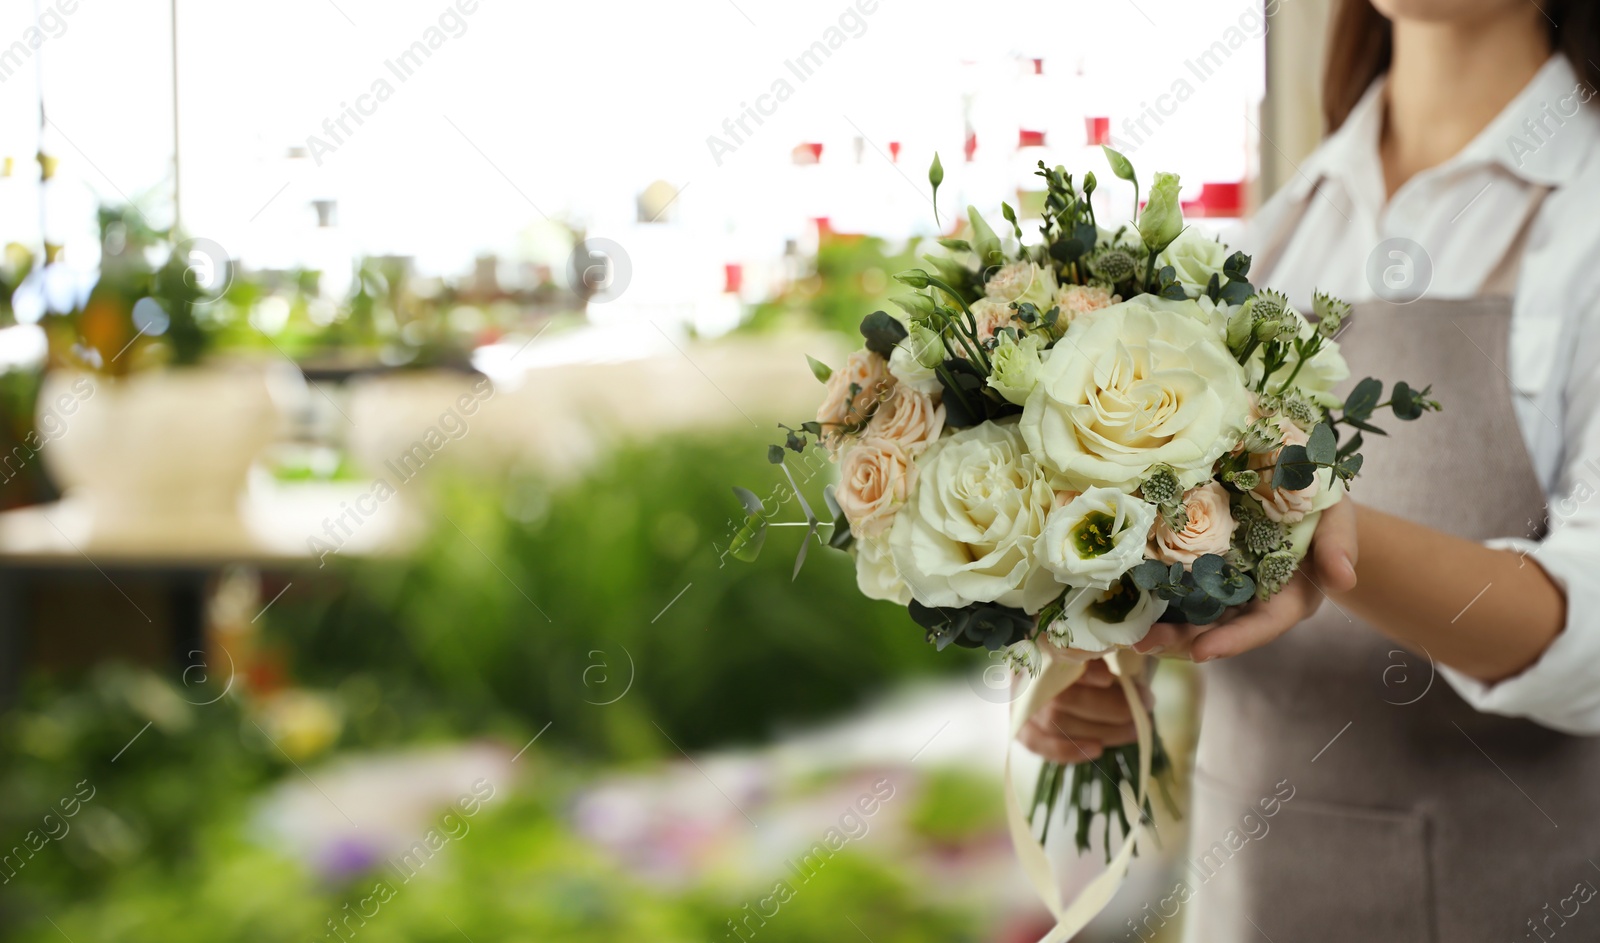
(1075, 300)
(908, 417)
(1020, 282)
(1096, 620)
(967, 534)
(1208, 529)
(1096, 537)
(853, 390)
(1194, 258)
(876, 575)
(1132, 386)
(875, 476)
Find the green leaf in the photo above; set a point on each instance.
(1214, 287)
(1350, 448)
(748, 498)
(956, 245)
(1364, 426)
(1363, 399)
(984, 241)
(1237, 266)
(1406, 402)
(1237, 291)
(775, 454)
(841, 538)
(882, 332)
(812, 426)
(1221, 581)
(1349, 467)
(1322, 447)
(819, 369)
(1149, 574)
(1294, 470)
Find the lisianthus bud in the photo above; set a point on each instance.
(925, 345)
(918, 307)
(1014, 367)
(984, 241)
(1162, 218)
(916, 278)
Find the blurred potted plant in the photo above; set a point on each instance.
(158, 432)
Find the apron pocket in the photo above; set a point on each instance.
(1312, 872)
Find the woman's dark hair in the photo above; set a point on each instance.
(1360, 42)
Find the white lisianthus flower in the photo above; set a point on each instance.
(1022, 281)
(1320, 376)
(1194, 258)
(1096, 537)
(1133, 386)
(1014, 367)
(876, 575)
(913, 359)
(967, 533)
(1097, 620)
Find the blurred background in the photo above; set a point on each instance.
(373, 380)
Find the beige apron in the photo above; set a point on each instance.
(1411, 817)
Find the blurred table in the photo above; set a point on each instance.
(56, 543)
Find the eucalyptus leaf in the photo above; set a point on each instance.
(1294, 470)
(1405, 401)
(882, 332)
(1363, 399)
(748, 498)
(746, 544)
(1237, 291)
(775, 454)
(1322, 447)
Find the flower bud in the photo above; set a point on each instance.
(925, 345)
(917, 307)
(916, 278)
(1162, 218)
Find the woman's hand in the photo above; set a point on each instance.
(1084, 719)
(1329, 567)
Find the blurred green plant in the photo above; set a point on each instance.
(849, 278)
(603, 607)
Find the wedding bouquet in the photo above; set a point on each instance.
(1061, 443)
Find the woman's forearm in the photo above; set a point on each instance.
(1487, 613)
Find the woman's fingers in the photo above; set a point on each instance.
(1058, 748)
(1104, 705)
(1334, 548)
(1260, 623)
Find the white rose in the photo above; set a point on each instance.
(1020, 282)
(1195, 258)
(967, 534)
(876, 575)
(1095, 620)
(1132, 386)
(1096, 537)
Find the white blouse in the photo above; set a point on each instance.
(1465, 214)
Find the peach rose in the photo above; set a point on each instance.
(1209, 528)
(1285, 507)
(1074, 300)
(875, 476)
(868, 373)
(908, 417)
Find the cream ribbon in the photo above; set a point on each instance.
(1057, 676)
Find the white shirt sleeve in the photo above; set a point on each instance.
(1562, 689)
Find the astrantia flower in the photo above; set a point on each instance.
(1022, 281)
(1096, 537)
(1133, 386)
(1097, 620)
(968, 533)
(1320, 376)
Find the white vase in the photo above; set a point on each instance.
(161, 458)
